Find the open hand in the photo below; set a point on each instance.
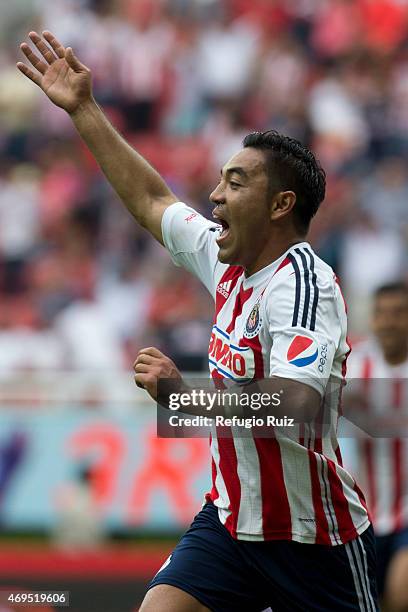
(57, 72)
(152, 365)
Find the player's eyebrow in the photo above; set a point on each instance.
(235, 170)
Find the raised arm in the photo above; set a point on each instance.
(68, 84)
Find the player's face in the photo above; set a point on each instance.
(390, 321)
(241, 207)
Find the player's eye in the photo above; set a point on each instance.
(234, 185)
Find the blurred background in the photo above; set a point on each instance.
(89, 498)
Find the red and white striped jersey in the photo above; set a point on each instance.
(382, 463)
(286, 320)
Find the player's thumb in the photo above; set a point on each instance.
(73, 61)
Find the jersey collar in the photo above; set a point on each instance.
(269, 270)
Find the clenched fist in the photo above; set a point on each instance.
(150, 366)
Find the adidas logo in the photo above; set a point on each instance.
(224, 288)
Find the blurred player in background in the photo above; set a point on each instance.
(284, 525)
(380, 367)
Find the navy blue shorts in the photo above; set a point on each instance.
(228, 575)
(387, 547)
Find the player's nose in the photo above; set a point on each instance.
(218, 195)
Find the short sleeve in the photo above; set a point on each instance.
(304, 344)
(190, 239)
(357, 359)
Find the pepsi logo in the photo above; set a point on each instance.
(302, 351)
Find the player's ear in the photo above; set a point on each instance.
(282, 203)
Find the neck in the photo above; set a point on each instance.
(276, 247)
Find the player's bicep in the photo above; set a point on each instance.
(153, 217)
(302, 400)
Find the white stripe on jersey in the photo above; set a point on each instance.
(250, 507)
(385, 485)
(358, 543)
(359, 571)
(223, 501)
(296, 470)
(327, 500)
(356, 578)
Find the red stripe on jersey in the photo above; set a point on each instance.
(338, 456)
(284, 263)
(346, 528)
(367, 448)
(213, 495)
(229, 471)
(228, 468)
(398, 459)
(397, 394)
(366, 376)
(276, 517)
(232, 273)
(367, 445)
(242, 297)
(356, 488)
(258, 358)
(322, 526)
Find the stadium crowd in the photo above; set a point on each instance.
(81, 286)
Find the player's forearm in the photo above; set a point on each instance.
(277, 397)
(131, 176)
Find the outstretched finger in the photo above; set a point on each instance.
(34, 76)
(33, 59)
(45, 51)
(55, 44)
(73, 61)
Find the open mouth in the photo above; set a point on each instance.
(225, 230)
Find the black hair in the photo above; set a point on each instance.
(291, 166)
(391, 288)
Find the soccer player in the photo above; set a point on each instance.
(380, 368)
(284, 525)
